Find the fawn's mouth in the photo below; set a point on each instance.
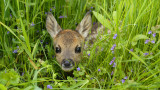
(68, 69)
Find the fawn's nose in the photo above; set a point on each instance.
(67, 63)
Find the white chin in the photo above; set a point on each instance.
(67, 69)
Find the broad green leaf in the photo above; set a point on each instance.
(9, 76)
(138, 37)
(2, 87)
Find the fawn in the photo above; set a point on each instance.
(68, 44)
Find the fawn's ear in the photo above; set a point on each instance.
(52, 26)
(85, 25)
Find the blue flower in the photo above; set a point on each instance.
(115, 35)
(50, 9)
(22, 74)
(32, 24)
(41, 41)
(99, 70)
(131, 50)
(145, 54)
(49, 86)
(154, 34)
(88, 54)
(153, 41)
(114, 64)
(113, 47)
(125, 77)
(146, 41)
(15, 51)
(11, 15)
(8, 32)
(123, 80)
(78, 69)
(112, 73)
(112, 61)
(149, 32)
(62, 16)
(91, 7)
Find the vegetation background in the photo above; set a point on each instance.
(128, 58)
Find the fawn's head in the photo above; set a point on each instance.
(68, 44)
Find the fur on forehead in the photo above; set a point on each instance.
(68, 37)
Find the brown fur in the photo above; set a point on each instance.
(68, 40)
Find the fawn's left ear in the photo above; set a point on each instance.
(85, 25)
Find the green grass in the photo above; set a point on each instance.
(34, 67)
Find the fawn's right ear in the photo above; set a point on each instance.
(52, 26)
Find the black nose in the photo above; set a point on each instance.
(67, 63)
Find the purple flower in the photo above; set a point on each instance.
(22, 73)
(113, 52)
(113, 58)
(50, 9)
(94, 23)
(149, 32)
(49, 86)
(112, 73)
(78, 69)
(115, 35)
(53, 56)
(154, 34)
(146, 41)
(123, 80)
(114, 64)
(152, 41)
(99, 70)
(91, 7)
(32, 24)
(15, 51)
(46, 13)
(17, 46)
(37, 31)
(62, 16)
(125, 77)
(41, 41)
(112, 61)
(88, 54)
(145, 54)
(131, 50)
(8, 32)
(11, 15)
(113, 47)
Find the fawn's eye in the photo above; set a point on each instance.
(77, 49)
(58, 49)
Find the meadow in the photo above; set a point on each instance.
(129, 50)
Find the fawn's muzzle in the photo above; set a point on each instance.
(67, 64)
